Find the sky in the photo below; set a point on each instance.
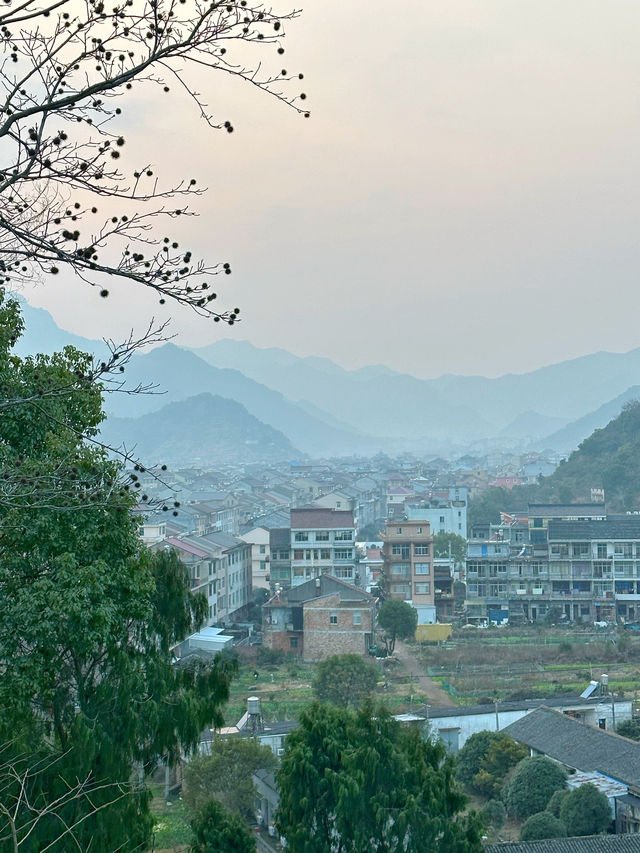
(465, 197)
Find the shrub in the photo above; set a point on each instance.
(494, 813)
(555, 802)
(542, 825)
(585, 811)
(532, 785)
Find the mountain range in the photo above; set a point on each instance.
(323, 409)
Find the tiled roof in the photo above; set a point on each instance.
(582, 844)
(310, 590)
(577, 745)
(321, 519)
(571, 510)
(181, 545)
(515, 705)
(622, 527)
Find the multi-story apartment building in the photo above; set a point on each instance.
(280, 557)
(408, 566)
(322, 541)
(446, 511)
(586, 569)
(259, 538)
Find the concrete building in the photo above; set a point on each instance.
(324, 616)
(446, 510)
(407, 551)
(258, 538)
(322, 542)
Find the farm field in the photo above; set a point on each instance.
(528, 663)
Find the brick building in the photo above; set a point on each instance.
(324, 616)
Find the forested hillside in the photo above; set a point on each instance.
(609, 458)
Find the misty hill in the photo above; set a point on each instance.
(181, 374)
(568, 389)
(609, 458)
(576, 431)
(206, 430)
(41, 334)
(371, 399)
(531, 425)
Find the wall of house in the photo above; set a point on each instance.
(323, 636)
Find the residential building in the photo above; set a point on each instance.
(322, 542)
(324, 616)
(446, 511)
(407, 551)
(259, 538)
(280, 557)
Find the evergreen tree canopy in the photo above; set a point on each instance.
(585, 811)
(542, 825)
(532, 785)
(345, 680)
(217, 830)
(87, 614)
(358, 780)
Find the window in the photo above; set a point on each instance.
(398, 530)
(401, 589)
(581, 549)
(442, 519)
(422, 588)
(421, 550)
(344, 572)
(325, 554)
(301, 536)
(561, 550)
(357, 617)
(298, 555)
(343, 536)
(293, 642)
(333, 618)
(263, 549)
(263, 565)
(322, 535)
(602, 550)
(401, 551)
(402, 570)
(343, 554)
(423, 568)
(623, 549)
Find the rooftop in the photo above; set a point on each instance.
(320, 518)
(621, 527)
(582, 844)
(576, 745)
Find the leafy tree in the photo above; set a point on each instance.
(459, 592)
(445, 544)
(630, 729)
(226, 774)
(533, 783)
(542, 825)
(585, 811)
(555, 802)
(218, 830)
(73, 68)
(502, 754)
(494, 813)
(87, 614)
(345, 680)
(399, 620)
(358, 780)
(485, 759)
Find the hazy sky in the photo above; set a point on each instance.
(465, 197)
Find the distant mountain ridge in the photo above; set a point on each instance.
(205, 429)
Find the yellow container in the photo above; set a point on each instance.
(433, 633)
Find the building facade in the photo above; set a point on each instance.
(407, 551)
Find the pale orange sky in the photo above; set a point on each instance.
(465, 197)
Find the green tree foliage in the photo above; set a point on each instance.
(345, 680)
(585, 811)
(494, 813)
(502, 754)
(485, 759)
(218, 830)
(630, 729)
(532, 785)
(87, 614)
(555, 802)
(542, 825)
(226, 774)
(399, 621)
(357, 780)
(445, 544)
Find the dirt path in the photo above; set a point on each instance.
(436, 696)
